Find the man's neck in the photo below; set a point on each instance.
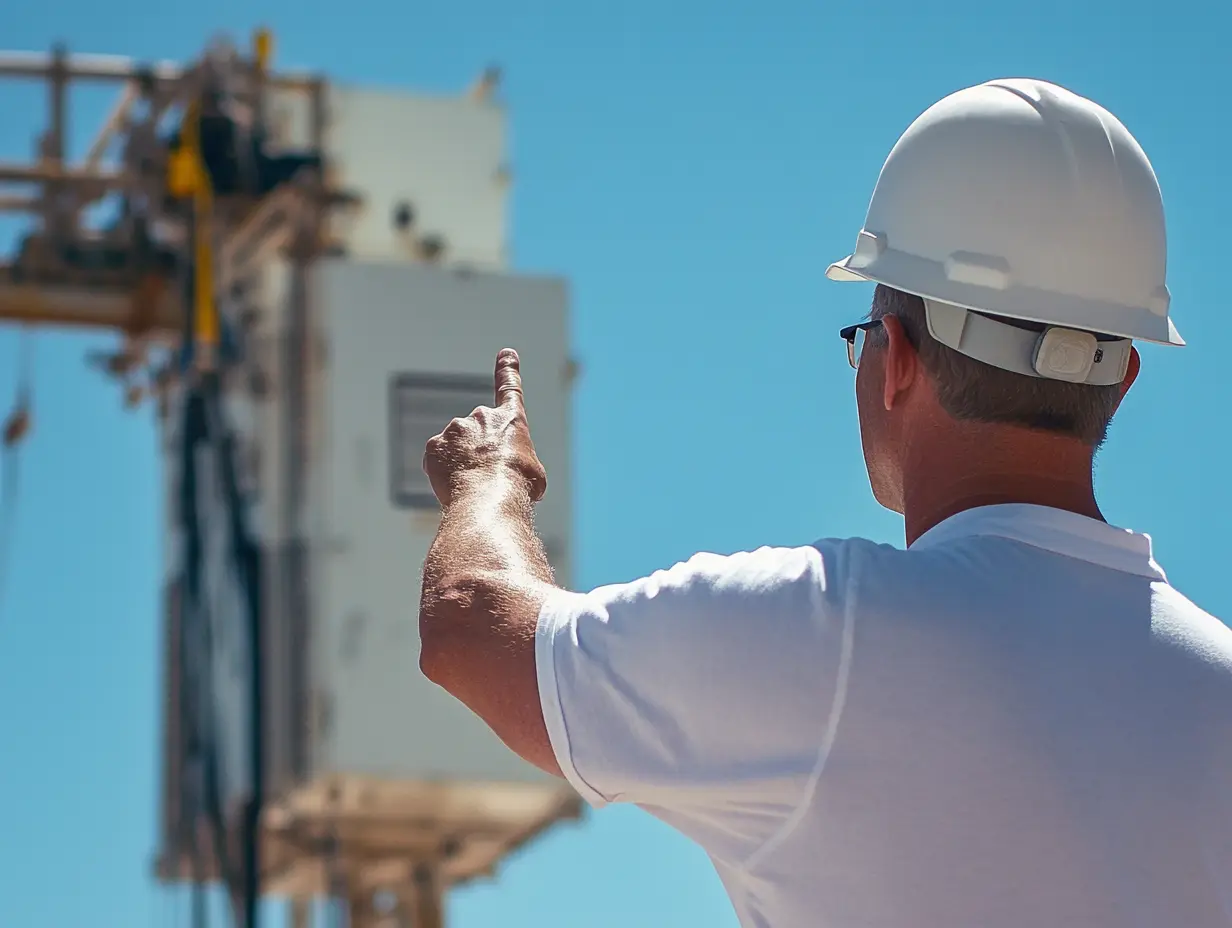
(987, 466)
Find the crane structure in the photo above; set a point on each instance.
(262, 258)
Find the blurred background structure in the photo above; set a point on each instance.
(297, 365)
(689, 168)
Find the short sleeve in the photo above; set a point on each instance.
(703, 691)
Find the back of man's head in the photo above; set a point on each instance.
(972, 391)
(1017, 230)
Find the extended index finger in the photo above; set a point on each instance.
(509, 380)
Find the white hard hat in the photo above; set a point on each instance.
(1021, 199)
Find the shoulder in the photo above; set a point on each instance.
(763, 571)
(712, 601)
(760, 572)
(658, 690)
(797, 578)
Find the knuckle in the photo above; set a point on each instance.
(537, 476)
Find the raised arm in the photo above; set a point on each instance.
(702, 692)
(486, 576)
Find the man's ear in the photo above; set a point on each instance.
(1131, 374)
(902, 363)
(1131, 371)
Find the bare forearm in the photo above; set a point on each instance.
(484, 583)
(488, 530)
(485, 577)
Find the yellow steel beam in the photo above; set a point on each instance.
(187, 177)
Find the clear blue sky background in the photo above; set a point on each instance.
(691, 166)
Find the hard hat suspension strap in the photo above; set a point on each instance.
(1056, 353)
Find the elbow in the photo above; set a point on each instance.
(431, 661)
(443, 612)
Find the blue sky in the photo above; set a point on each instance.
(691, 167)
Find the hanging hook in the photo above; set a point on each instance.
(17, 425)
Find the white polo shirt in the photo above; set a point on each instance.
(1015, 723)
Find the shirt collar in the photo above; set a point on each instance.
(1054, 530)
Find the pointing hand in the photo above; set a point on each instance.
(489, 440)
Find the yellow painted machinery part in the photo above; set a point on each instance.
(263, 48)
(187, 177)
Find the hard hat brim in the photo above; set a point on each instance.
(840, 272)
(1011, 304)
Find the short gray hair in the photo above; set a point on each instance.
(971, 390)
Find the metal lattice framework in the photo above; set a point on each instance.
(197, 206)
(194, 218)
(126, 276)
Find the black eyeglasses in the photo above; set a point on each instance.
(855, 336)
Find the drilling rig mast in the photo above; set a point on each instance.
(262, 331)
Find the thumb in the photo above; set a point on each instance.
(509, 380)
